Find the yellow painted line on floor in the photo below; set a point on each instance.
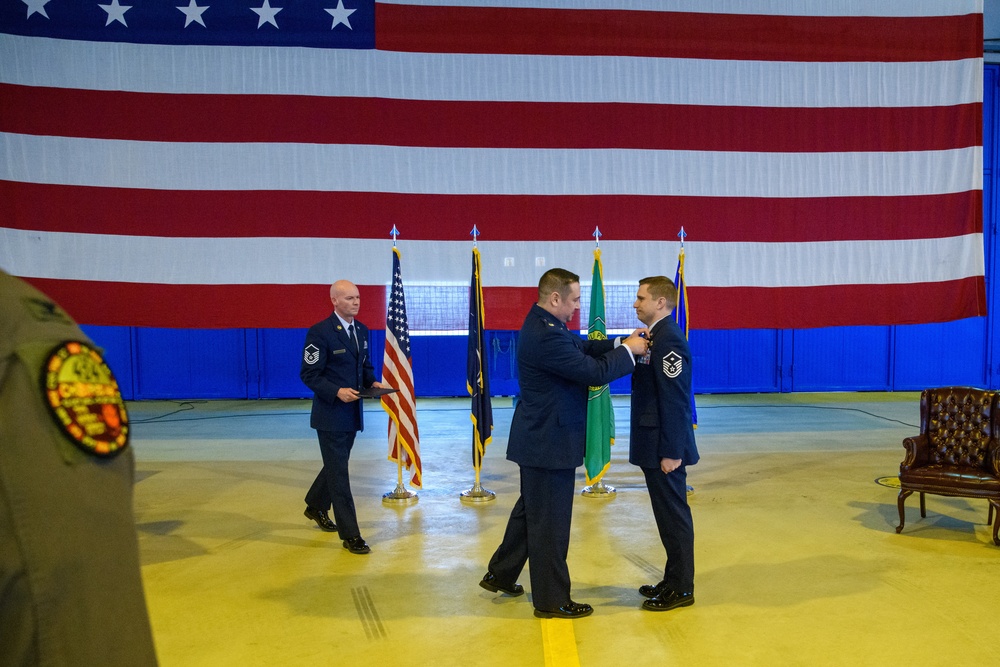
(559, 643)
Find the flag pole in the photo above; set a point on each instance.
(599, 489)
(477, 494)
(400, 495)
(683, 235)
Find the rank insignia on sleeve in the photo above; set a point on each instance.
(84, 400)
(672, 365)
(45, 311)
(311, 354)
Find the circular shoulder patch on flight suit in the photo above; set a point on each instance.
(83, 397)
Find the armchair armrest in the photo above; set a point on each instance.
(917, 452)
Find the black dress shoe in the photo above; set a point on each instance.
(668, 600)
(569, 610)
(652, 590)
(491, 584)
(321, 518)
(357, 545)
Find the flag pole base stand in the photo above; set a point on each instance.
(477, 495)
(399, 496)
(599, 490)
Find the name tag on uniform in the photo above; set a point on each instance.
(339, 351)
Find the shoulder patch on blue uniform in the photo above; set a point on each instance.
(84, 400)
(672, 365)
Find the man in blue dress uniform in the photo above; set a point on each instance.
(547, 440)
(662, 439)
(336, 365)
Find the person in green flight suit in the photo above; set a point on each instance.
(70, 583)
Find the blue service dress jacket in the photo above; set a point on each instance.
(661, 425)
(330, 361)
(555, 368)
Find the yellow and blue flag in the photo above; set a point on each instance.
(477, 381)
(681, 315)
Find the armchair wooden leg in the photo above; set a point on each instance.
(989, 518)
(995, 505)
(903, 494)
(923, 507)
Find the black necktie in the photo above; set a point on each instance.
(354, 340)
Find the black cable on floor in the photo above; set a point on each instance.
(814, 407)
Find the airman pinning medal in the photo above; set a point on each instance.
(547, 441)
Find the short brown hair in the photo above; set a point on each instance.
(556, 280)
(661, 286)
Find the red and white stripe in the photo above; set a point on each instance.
(828, 171)
(404, 436)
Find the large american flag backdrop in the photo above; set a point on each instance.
(218, 163)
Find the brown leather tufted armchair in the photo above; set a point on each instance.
(957, 452)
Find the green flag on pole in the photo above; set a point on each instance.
(600, 414)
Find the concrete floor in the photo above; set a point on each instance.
(798, 562)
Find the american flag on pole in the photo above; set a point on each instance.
(397, 372)
(166, 165)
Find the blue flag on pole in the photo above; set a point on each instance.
(681, 316)
(477, 380)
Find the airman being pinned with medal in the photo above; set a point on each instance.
(662, 439)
